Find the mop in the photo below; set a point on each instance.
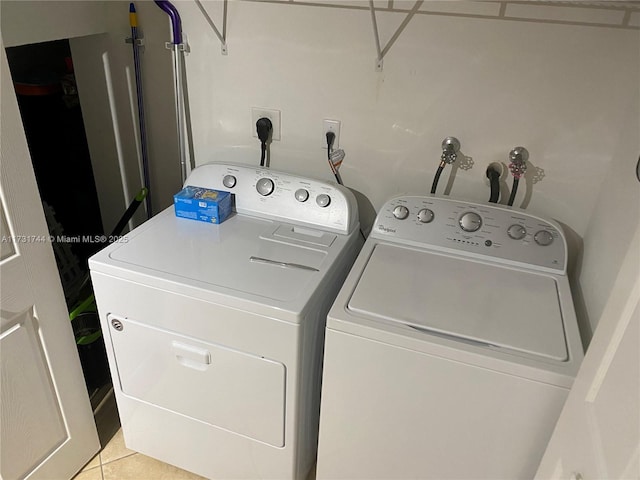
(135, 40)
(178, 51)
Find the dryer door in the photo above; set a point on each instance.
(210, 383)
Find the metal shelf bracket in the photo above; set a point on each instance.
(383, 51)
(221, 36)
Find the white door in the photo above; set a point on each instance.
(598, 433)
(47, 425)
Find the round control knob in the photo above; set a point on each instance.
(517, 232)
(229, 181)
(302, 195)
(470, 222)
(425, 215)
(265, 186)
(543, 237)
(401, 212)
(323, 200)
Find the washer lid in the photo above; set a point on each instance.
(492, 305)
(244, 254)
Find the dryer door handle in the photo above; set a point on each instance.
(191, 356)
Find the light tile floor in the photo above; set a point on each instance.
(116, 462)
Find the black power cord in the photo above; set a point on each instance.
(436, 178)
(264, 128)
(450, 149)
(331, 137)
(514, 190)
(494, 182)
(518, 167)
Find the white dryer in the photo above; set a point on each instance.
(451, 347)
(215, 333)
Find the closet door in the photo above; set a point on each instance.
(47, 425)
(598, 433)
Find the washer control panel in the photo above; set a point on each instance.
(492, 230)
(278, 195)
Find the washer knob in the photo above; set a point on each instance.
(265, 186)
(543, 237)
(323, 200)
(470, 222)
(517, 232)
(229, 181)
(425, 215)
(401, 212)
(302, 195)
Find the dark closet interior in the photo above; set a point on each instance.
(49, 104)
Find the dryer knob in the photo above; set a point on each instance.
(516, 231)
(323, 200)
(543, 237)
(470, 222)
(229, 181)
(301, 195)
(265, 186)
(425, 215)
(401, 212)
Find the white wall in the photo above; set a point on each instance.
(25, 22)
(566, 91)
(609, 235)
(562, 91)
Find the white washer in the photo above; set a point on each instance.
(451, 347)
(215, 333)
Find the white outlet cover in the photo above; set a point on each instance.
(274, 115)
(331, 126)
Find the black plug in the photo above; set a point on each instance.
(492, 172)
(264, 128)
(331, 137)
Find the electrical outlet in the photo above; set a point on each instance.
(273, 115)
(499, 167)
(331, 126)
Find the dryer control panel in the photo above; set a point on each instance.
(495, 231)
(281, 196)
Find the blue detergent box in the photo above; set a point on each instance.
(203, 204)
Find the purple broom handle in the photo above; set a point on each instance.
(170, 10)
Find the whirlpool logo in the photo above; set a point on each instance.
(382, 228)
